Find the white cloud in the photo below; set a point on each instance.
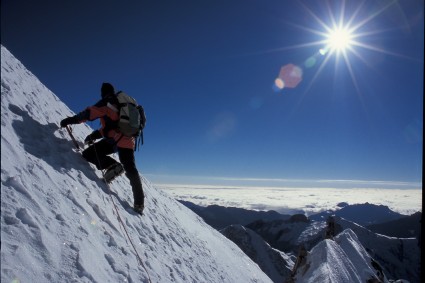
(230, 182)
(295, 200)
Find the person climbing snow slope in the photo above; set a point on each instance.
(112, 140)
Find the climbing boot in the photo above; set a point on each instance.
(139, 208)
(113, 171)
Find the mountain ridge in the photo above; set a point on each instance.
(220, 217)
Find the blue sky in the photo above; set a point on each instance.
(205, 70)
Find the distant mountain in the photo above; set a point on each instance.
(220, 217)
(288, 235)
(363, 214)
(406, 227)
(276, 264)
(399, 258)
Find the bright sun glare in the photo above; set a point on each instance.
(344, 34)
(339, 39)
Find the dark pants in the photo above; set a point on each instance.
(98, 155)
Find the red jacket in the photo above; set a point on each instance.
(107, 111)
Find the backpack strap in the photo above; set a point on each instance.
(109, 105)
(138, 140)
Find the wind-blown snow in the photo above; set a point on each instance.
(58, 222)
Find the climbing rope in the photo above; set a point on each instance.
(139, 259)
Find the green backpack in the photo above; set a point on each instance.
(132, 116)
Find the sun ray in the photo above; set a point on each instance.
(373, 16)
(353, 76)
(315, 31)
(360, 57)
(332, 17)
(348, 33)
(322, 23)
(354, 15)
(281, 49)
(371, 32)
(382, 50)
(352, 40)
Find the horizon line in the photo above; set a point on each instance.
(278, 182)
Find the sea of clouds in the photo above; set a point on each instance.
(296, 200)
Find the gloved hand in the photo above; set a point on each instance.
(69, 120)
(88, 140)
(92, 137)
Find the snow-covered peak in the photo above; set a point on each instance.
(58, 221)
(341, 261)
(398, 257)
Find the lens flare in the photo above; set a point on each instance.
(279, 83)
(323, 51)
(290, 75)
(310, 62)
(341, 35)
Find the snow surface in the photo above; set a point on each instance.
(399, 257)
(276, 264)
(341, 261)
(58, 222)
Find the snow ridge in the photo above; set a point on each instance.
(57, 218)
(341, 261)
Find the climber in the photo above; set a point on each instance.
(113, 140)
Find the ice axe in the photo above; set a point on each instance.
(72, 137)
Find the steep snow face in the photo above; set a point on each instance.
(276, 264)
(341, 261)
(399, 257)
(58, 222)
(287, 235)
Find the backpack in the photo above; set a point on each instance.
(132, 116)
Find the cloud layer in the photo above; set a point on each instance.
(296, 200)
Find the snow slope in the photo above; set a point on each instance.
(276, 264)
(58, 222)
(341, 261)
(399, 257)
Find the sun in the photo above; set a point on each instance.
(339, 39)
(344, 34)
(345, 31)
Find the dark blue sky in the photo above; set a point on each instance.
(204, 71)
